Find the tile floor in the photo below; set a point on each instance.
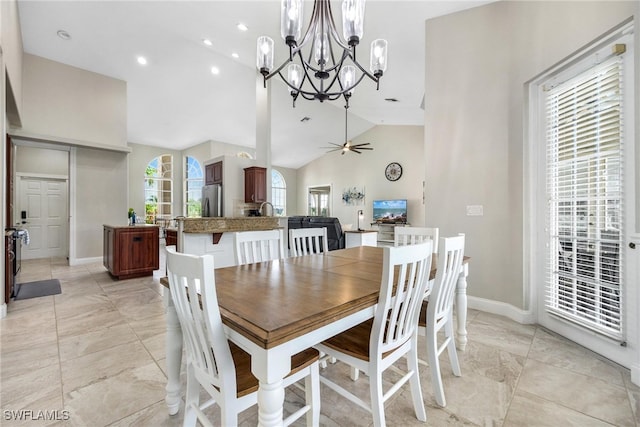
(95, 355)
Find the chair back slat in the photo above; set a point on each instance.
(443, 290)
(258, 246)
(413, 235)
(192, 287)
(308, 241)
(404, 280)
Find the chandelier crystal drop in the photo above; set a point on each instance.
(329, 68)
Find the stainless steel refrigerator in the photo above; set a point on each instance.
(212, 200)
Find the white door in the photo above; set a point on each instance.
(44, 203)
(585, 200)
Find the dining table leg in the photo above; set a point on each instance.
(270, 367)
(461, 307)
(174, 355)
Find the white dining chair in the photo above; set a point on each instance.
(258, 246)
(375, 345)
(308, 241)
(220, 367)
(412, 235)
(437, 312)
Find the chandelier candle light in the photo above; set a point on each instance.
(330, 70)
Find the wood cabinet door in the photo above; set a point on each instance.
(138, 250)
(213, 173)
(255, 185)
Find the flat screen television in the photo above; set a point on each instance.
(390, 211)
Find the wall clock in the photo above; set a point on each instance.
(393, 171)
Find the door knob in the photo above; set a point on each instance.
(632, 245)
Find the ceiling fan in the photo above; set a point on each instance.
(348, 146)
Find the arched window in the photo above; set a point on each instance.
(278, 193)
(158, 189)
(192, 187)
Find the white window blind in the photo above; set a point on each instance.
(585, 191)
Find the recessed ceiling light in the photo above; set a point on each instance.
(215, 70)
(242, 27)
(142, 60)
(235, 55)
(64, 35)
(207, 42)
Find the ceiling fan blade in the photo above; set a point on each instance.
(364, 143)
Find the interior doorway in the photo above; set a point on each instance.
(41, 198)
(42, 211)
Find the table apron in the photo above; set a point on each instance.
(273, 364)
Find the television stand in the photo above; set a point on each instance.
(386, 231)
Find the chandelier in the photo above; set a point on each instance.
(330, 69)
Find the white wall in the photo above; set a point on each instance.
(402, 144)
(101, 197)
(477, 63)
(11, 46)
(34, 160)
(63, 102)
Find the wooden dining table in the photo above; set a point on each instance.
(276, 309)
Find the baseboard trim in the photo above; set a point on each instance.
(501, 309)
(84, 261)
(3, 310)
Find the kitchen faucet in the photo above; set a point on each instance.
(265, 203)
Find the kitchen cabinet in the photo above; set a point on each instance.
(255, 184)
(360, 238)
(213, 173)
(171, 238)
(131, 251)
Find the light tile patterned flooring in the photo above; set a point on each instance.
(96, 352)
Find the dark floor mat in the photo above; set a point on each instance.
(41, 288)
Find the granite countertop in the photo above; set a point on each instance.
(227, 224)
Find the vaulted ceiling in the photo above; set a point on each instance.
(175, 100)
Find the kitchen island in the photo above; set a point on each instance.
(215, 235)
(131, 250)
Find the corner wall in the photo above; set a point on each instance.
(402, 144)
(474, 131)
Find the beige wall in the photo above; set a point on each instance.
(477, 63)
(66, 103)
(402, 144)
(11, 46)
(101, 197)
(39, 161)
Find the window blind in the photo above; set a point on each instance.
(585, 185)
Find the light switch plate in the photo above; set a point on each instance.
(474, 210)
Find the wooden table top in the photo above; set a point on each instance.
(276, 301)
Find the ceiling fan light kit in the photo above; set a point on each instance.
(330, 69)
(348, 146)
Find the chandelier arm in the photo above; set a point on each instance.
(333, 30)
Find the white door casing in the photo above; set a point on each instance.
(623, 351)
(45, 201)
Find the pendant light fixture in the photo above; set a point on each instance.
(329, 69)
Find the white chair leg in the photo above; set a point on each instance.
(312, 395)
(451, 348)
(434, 362)
(355, 374)
(377, 402)
(192, 399)
(416, 391)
